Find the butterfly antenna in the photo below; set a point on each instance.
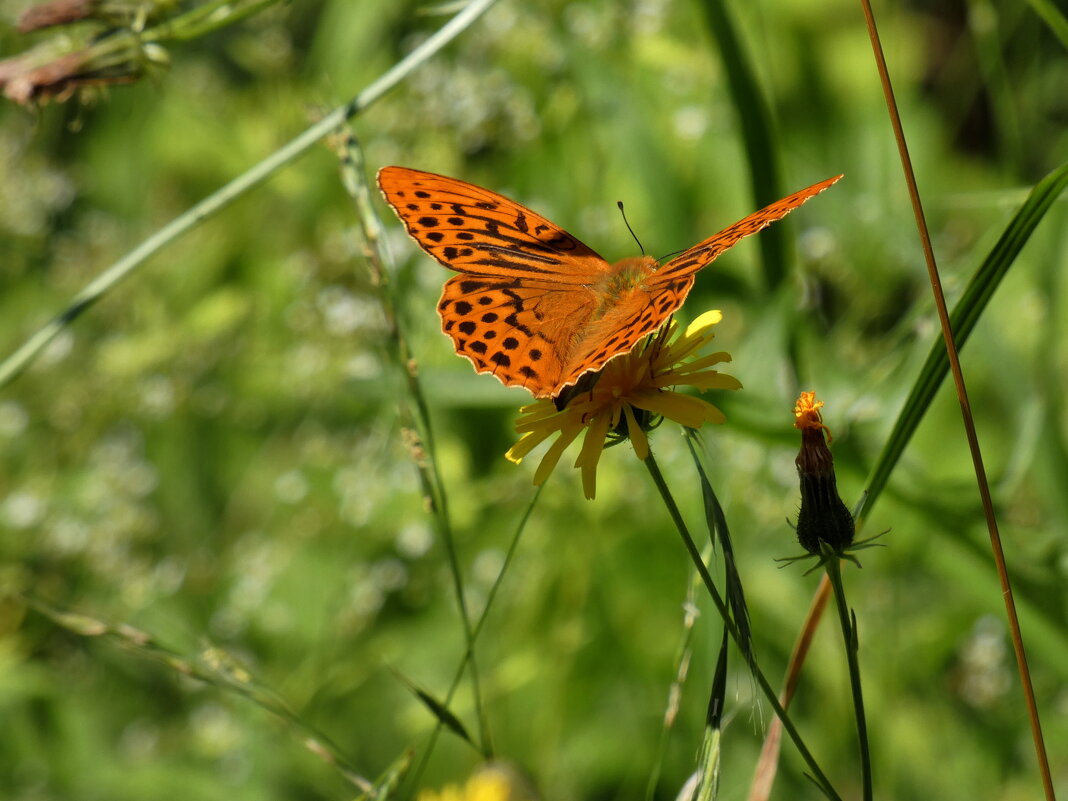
(626, 223)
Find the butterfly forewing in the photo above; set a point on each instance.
(703, 253)
(473, 230)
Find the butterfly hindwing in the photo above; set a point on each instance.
(521, 332)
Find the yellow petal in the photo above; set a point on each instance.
(707, 380)
(685, 409)
(703, 321)
(637, 436)
(592, 445)
(526, 444)
(704, 362)
(552, 456)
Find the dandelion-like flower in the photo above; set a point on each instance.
(490, 784)
(823, 516)
(632, 394)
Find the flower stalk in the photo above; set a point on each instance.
(825, 528)
(818, 775)
(848, 621)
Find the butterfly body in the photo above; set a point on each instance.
(623, 278)
(532, 304)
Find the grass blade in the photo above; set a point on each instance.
(963, 319)
(1053, 17)
(758, 136)
(443, 714)
(717, 529)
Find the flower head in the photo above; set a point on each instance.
(630, 396)
(823, 516)
(489, 784)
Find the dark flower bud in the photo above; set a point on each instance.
(823, 516)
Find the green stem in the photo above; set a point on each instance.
(14, 364)
(205, 19)
(676, 516)
(352, 175)
(848, 622)
(469, 651)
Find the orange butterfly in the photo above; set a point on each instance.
(532, 304)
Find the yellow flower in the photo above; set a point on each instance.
(807, 414)
(488, 785)
(631, 395)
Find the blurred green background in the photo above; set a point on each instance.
(212, 454)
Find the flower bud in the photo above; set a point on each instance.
(823, 516)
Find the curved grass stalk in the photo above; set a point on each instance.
(966, 413)
(963, 319)
(421, 441)
(213, 666)
(14, 364)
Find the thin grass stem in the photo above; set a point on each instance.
(682, 669)
(469, 652)
(965, 405)
(213, 666)
(353, 173)
(818, 775)
(767, 764)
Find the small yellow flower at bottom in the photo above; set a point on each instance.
(631, 395)
(488, 785)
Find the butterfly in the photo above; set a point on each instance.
(533, 305)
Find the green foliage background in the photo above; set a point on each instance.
(212, 453)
